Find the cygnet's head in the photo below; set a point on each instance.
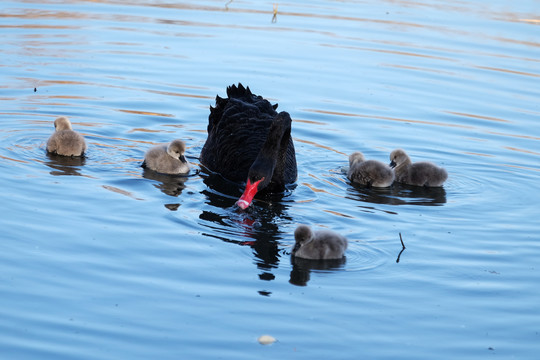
(398, 157)
(356, 156)
(62, 123)
(302, 235)
(176, 149)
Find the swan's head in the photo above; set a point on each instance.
(176, 149)
(273, 151)
(398, 157)
(62, 123)
(302, 236)
(356, 157)
(257, 180)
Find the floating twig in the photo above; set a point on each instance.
(274, 18)
(227, 5)
(403, 247)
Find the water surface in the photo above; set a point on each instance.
(100, 260)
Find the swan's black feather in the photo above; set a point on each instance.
(238, 128)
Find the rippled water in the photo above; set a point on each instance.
(101, 260)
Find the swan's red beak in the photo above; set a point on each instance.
(249, 193)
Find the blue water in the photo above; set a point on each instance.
(99, 260)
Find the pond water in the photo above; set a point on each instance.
(99, 260)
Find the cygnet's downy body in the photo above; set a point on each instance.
(64, 141)
(417, 174)
(167, 159)
(369, 172)
(318, 245)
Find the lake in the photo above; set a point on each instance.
(102, 260)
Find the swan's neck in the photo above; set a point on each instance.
(270, 161)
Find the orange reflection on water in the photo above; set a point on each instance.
(120, 191)
(507, 71)
(388, 118)
(326, 181)
(148, 131)
(311, 122)
(338, 214)
(8, 158)
(520, 167)
(477, 116)
(522, 150)
(317, 190)
(394, 52)
(139, 112)
(318, 145)
(417, 68)
(478, 154)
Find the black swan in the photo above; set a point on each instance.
(417, 174)
(249, 141)
(64, 141)
(167, 159)
(318, 245)
(369, 172)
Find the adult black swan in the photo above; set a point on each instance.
(249, 141)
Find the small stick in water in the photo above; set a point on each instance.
(403, 249)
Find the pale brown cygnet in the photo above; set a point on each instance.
(318, 245)
(369, 172)
(167, 159)
(418, 173)
(64, 141)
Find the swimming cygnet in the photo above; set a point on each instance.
(167, 159)
(322, 244)
(64, 141)
(369, 172)
(419, 173)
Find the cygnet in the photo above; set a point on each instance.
(167, 159)
(369, 172)
(419, 173)
(319, 245)
(64, 141)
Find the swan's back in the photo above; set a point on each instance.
(237, 128)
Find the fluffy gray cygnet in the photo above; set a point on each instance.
(64, 141)
(318, 245)
(419, 173)
(369, 172)
(167, 159)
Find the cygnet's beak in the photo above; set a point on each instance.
(296, 247)
(393, 164)
(182, 158)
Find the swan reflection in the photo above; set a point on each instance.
(256, 227)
